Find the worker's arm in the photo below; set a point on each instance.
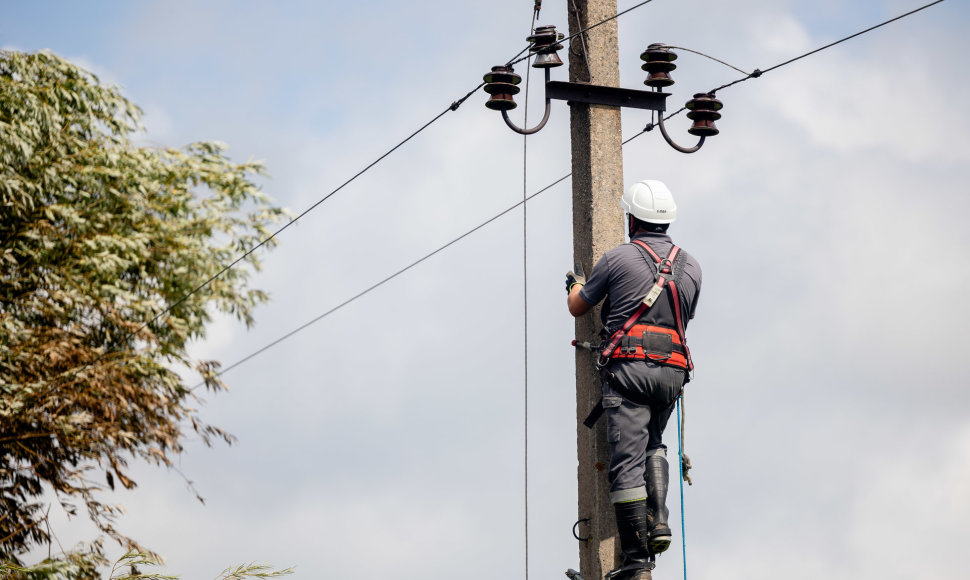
(577, 306)
(574, 283)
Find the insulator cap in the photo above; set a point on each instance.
(658, 51)
(501, 88)
(704, 115)
(702, 101)
(501, 83)
(704, 111)
(658, 66)
(502, 74)
(659, 62)
(501, 102)
(659, 79)
(545, 44)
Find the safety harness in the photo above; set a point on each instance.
(634, 341)
(638, 341)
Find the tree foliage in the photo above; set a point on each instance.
(99, 236)
(77, 566)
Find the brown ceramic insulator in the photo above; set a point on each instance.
(501, 102)
(502, 74)
(704, 101)
(703, 115)
(545, 44)
(501, 89)
(703, 112)
(659, 63)
(703, 128)
(656, 52)
(659, 79)
(547, 60)
(501, 83)
(658, 66)
(544, 36)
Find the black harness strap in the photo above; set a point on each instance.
(665, 269)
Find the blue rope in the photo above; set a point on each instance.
(680, 453)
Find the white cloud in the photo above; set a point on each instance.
(807, 212)
(910, 518)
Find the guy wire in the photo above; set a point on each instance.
(525, 300)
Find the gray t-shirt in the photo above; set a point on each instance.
(626, 274)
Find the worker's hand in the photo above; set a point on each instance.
(577, 277)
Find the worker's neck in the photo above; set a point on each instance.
(639, 232)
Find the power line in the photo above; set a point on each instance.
(853, 36)
(525, 303)
(757, 73)
(453, 107)
(387, 279)
(519, 58)
(604, 21)
(697, 52)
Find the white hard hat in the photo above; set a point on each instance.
(650, 201)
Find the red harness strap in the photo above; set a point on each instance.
(664, 269)
(680, 325)
(656, 343)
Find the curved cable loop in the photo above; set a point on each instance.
(537, 128)
(663, 131)
(697, 52)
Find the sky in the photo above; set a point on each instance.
(829, 419)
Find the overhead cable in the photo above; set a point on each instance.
(604, 21)
(861, 32)
(380, 283)
(525, 300)
(390, 277)
(757, 73)
(519, 58)
(452, 107)
(697, 52)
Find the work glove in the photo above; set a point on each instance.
(577, 277)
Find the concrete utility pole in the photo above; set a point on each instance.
(597, 164)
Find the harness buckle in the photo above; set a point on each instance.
(627, 346)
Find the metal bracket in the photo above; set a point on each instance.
(542, 123)
(612, 96)
(576, 530)
(663, 131)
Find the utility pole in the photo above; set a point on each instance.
(595, 98)
(597, 165)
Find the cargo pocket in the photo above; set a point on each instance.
(612, 429)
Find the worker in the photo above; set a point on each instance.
(644, 362)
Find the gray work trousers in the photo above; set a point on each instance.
(638, 401)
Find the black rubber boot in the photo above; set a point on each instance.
(631, 523)
(657, 476)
